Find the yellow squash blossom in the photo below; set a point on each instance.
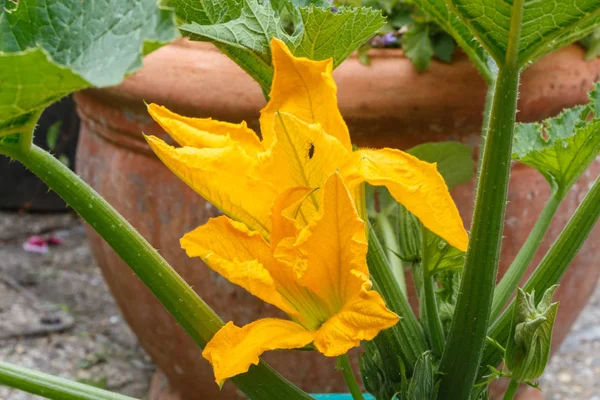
(316, 274)
(304, 140)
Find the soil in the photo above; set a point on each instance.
(57, 316)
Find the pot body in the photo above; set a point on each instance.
(386, 104)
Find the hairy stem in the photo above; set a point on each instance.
(460, 363)
(405, 339)
(517, 269)
(511, 390)
(343, 364)
(50, 386)
(190, 311)
(434, 323)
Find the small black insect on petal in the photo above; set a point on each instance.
(311, 150)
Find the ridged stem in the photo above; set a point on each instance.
(190, 311)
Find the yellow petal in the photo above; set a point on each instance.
(334, 245)
(285, 210)
(303, 154)
(306, 89)
(226, 177)
(362, 318)
(414, 183)
(205, 132)
(232, 350)
(241, 256)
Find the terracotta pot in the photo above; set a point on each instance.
(387, 104)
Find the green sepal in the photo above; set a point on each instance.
(561, 148)
(374, 377)
(422, 384)
(528, 347)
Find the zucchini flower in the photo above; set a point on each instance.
(316, 273)
(304, 140)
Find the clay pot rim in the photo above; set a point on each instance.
(373, 53)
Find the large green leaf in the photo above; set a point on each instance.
(243, 29)
(561, 148)
(546, 26)
(244, 39)
(327, 34)
(206, 12)
(445, 17)
(50, 48)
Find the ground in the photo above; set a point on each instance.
(56, 315)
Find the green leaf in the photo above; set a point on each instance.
(561, 148)
(443, 47)
(417, 46)
(244, 39)
(244, 34)
(448, 20)
(547, 24)
(440, 255)
(206, 12)
(50, 48)
(454, 160)
(23, 90)
(337, 35)
(529, 342)
(592, 45)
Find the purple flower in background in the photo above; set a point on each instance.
(334, 9)
(389, 38)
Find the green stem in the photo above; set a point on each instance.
(511, 390)
(50, 386)
(551, 269)
(407, 333)
(460, 362)
(343, 364)
(190, 311)
(434, 323)
(392, 250)
(469, 325)
(517, 269)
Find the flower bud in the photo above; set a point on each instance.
(528, 347)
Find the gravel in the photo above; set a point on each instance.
(57, 316)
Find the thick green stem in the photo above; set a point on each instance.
(460, 363)
(517, 269)
(551, 269)
(434, 323)
(392, 250)
(190, 311)
(343, 364)
(50, 386)
(511, 390)
(407, 333)
(467, 337)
